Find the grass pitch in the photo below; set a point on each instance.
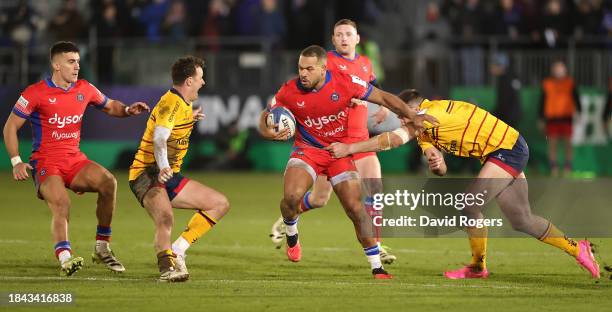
(235, 267)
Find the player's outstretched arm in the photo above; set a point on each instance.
(11, 142)
(435, 159)
(118, 109)
(396, 105)
(382, 142)
(268, 132)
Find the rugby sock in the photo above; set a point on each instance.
(305, 203)
(103, 237)
(554, 236)
(292, 231)
(165, 260)
(198, 225)
(478, 244)
(63, 252)
(373, 255)
(369, 202)
(103, 233)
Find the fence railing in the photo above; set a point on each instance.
(254, 62)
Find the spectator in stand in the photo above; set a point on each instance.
(107, 30)
(509, 21)
(68, 24)
(507, 89)
(559, 104)
(587, 18)
(175, 22)
(218, 22)
(273, 24)
(152, 16)
(432, 33)
(21, 23)
(555, 25)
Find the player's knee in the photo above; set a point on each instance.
(59, 205)
(222, 204)
(521, 222)
(108, 185)
(318, 200)
(165, 220)
(292, 199)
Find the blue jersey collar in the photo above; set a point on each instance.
(52, 85)
(348, 59)
(304, 89)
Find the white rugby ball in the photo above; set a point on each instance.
(283, 118)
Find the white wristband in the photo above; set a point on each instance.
(127, 110)
(16, 160)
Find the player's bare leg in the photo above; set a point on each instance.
(95, 178)
(296, 182)
(157, 204)
(370, 173)
(514, 203)
(317, 198)
(211, 206)
(54, 193)
(349, 194)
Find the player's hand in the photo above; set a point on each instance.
(435, 162)
(165, 175)
(381, 115)
(339, 150)
(270, 132)
(419, 122)
(197, 114)
(138, 108)
(20, 171)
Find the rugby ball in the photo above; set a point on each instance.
(283, 118)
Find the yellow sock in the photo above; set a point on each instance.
(478, 243)
(199, 225)
(554, 236)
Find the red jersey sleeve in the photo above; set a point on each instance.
(361, 88)
(27, 103)
(97, 98)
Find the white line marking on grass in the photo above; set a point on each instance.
(258, 281)
(73, 278)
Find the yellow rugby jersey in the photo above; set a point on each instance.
(465, 130)
(174, 113)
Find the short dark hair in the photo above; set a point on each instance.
(316, 51)
(185, 67)
(346, 21)
(62, 47)
(410, 95)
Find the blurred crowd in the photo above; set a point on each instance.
(286, 23)
(543, 22)
(290, 23)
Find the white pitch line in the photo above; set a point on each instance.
(431, 250)
(74, 278)
(260, 281)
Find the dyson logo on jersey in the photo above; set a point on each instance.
(64, 121)
(321, 121)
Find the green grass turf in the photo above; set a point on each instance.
(235, 266)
